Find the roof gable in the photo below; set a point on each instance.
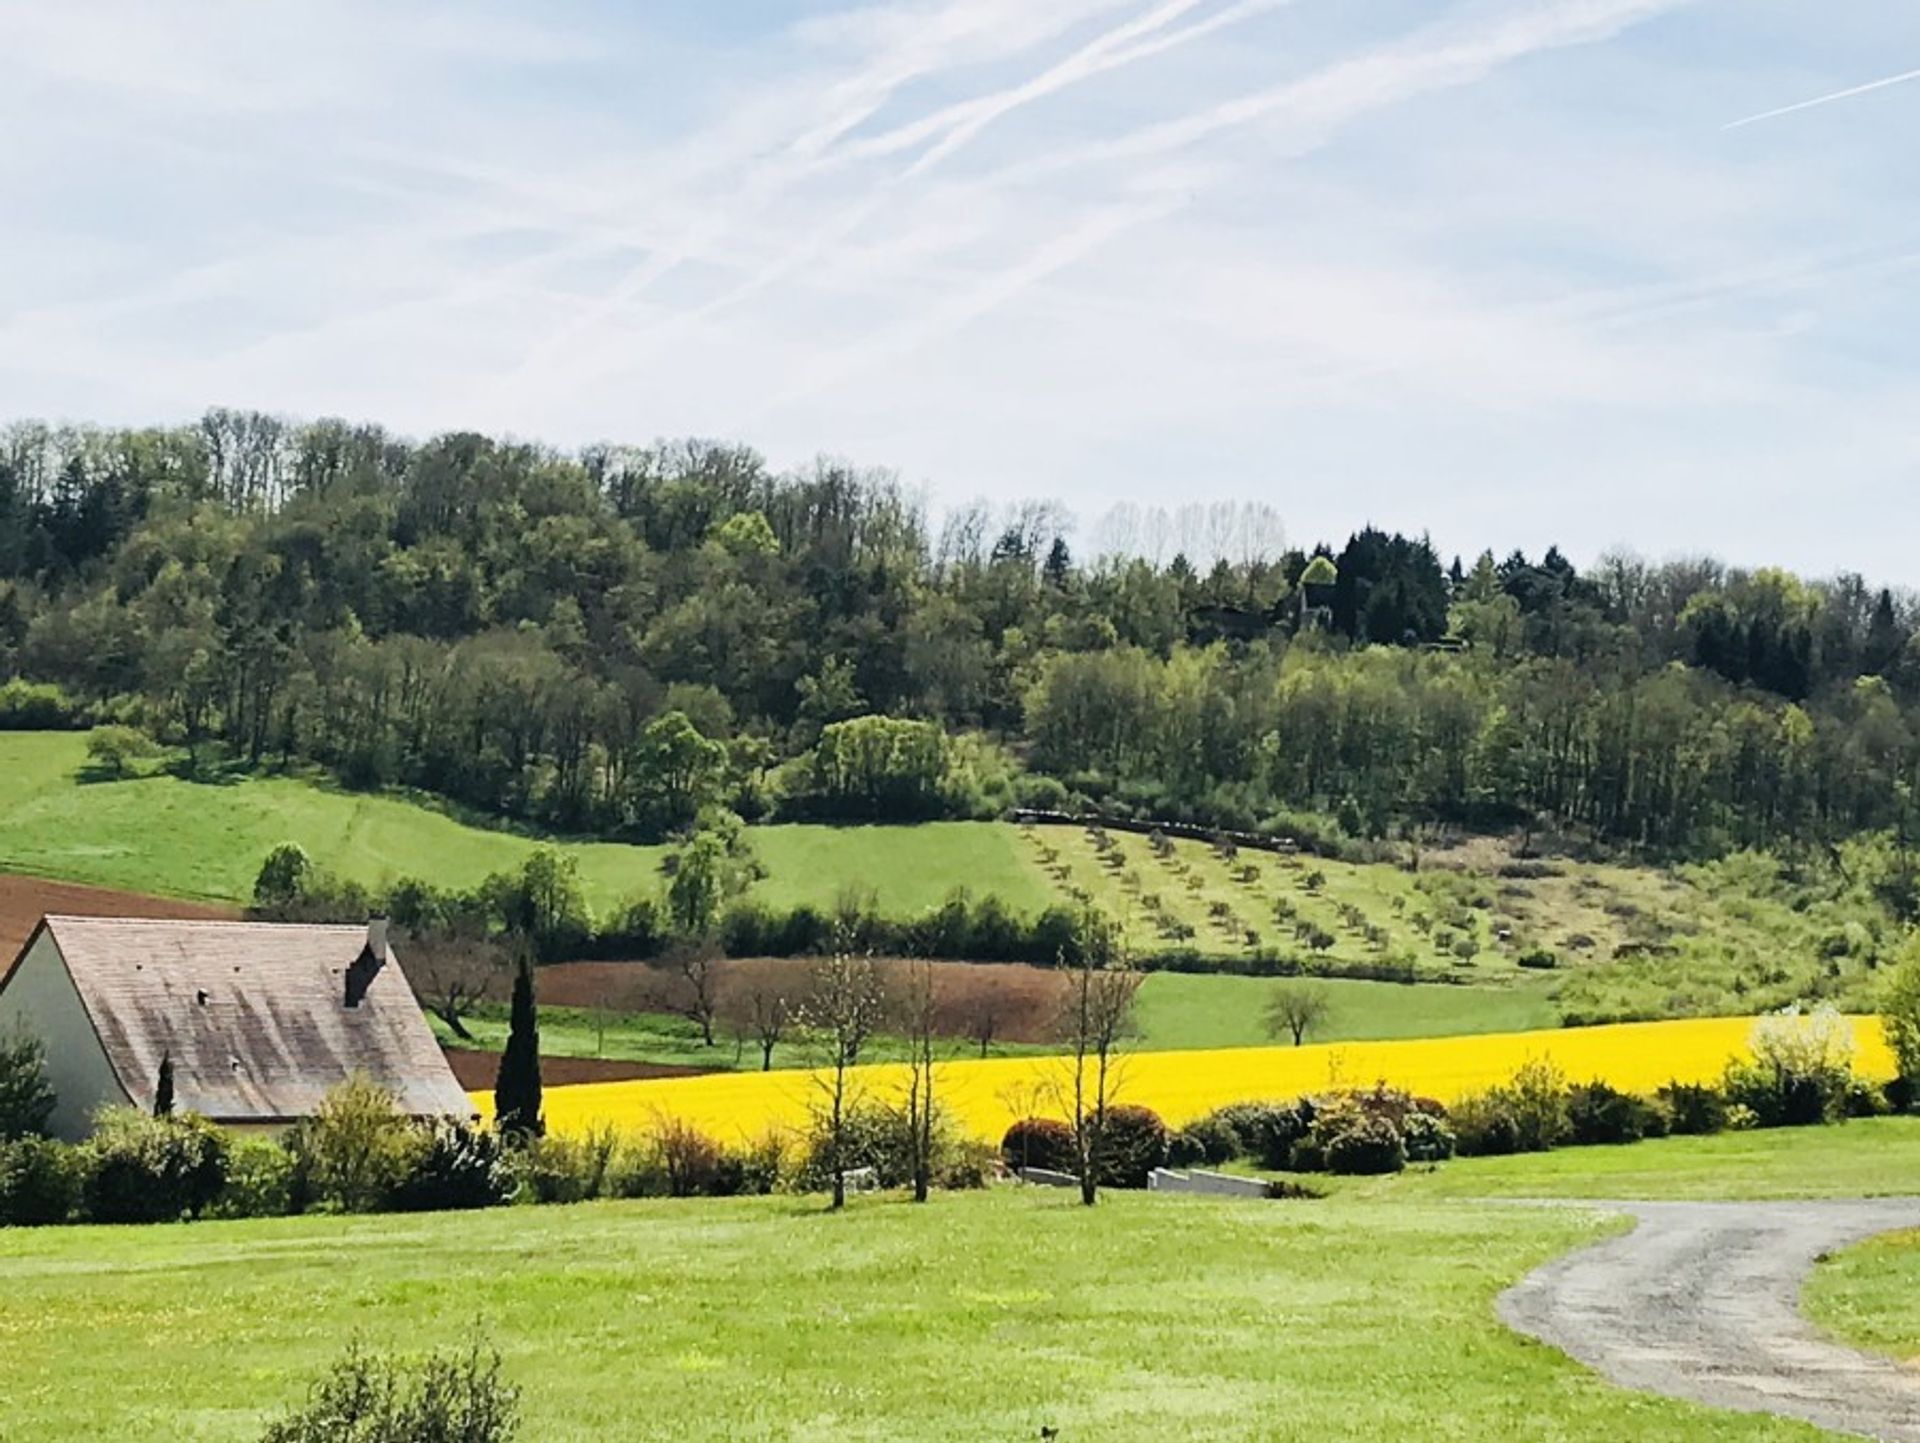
(253, 1015)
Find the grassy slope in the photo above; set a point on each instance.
(980, 1316)
(161, 834)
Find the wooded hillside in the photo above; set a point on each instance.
(609, 642)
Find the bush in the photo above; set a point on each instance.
(1863, 1099)
(1210, 1141)
(1538, 959)
(1484, 1125)
(1598, 1114)
(36, 707)
(1362, 1145)
(969, 1164)
(1267, 1131)
(1428, 1138)
(689, 1159)
(143, 1169)
(457, 1168)
(577, 1169)
(1537, 1098)
(359, 1148)
(1801, 1072)
(26, 1096)
(1694, 1109)
(263, 1181)
(1042, 1142)
(39, 1182)
(445, 1398)
(113, 749)
(1132, 1144)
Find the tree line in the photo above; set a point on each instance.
(618, 640)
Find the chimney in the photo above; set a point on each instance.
(367, 965)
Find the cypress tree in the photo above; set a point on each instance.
(163, 1092)
(516, 1092)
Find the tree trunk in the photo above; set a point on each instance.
(766, 1056)
(451, 1017)
(839, 1189)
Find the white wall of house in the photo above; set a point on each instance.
(41, 1000)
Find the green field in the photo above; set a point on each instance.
(1182, 1010)
(1869, 1295)
(1735, 936)
(1872, 1157)
(978, 1317)
(206, 840)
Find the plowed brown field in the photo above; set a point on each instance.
(25, 900)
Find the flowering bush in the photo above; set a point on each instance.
(1801, 1071)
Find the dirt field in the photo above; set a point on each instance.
(25, 900)
(1025, 1001)
(478, 1071)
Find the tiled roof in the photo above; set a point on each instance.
(254, 1015)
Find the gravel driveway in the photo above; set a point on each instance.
(1701, 1301)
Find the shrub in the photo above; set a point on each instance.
(1900, 1012)
(1537, 1098)
(1538, 959)
(138, 1168)
(1210, 1141)
(1600, 1114)
(967, 1165)
(689, 1159)
(39, 1182)
(365, 1398)
(262, 1182)
(113, 749)
(456, 1168)
(1132, 1144)
(1267, 1131)
(1428, 1138)
(577, 1169)
(35, 707)
(1042, 1142)
(1484, 1125)
(1801, 1070)
(1363, 1145)
(359, 1148)
(26, 1096)
(1863, 1099)
(1693, 1108)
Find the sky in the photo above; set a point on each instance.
(1606, 273)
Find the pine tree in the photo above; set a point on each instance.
(516, 1092)
(163, 1092)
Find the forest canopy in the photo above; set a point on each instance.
(615, 640)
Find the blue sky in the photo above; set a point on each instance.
(1511, 271)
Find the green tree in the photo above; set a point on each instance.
(516, 1091)
(282, 876)
(27, 1097)
(1900, 1013)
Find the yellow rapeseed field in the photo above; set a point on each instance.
(985, 1096)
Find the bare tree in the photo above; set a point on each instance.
(759, 1001)
(1297, 1008)
(697, 991)
(919, 1015)
(1098, 1015)
(451, 973)
(844, 1007)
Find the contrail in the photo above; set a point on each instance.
(1847, 94)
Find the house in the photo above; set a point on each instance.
(258, 1020)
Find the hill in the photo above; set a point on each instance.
(1602, 940)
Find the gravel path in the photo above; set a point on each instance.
(1701, 1301)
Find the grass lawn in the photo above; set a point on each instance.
(1869, 1295)
(1186, 1010)
(1874, 1157)
(207, 839)
(985, 1316)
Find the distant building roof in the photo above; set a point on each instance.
(255, 1016)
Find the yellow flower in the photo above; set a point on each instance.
(985, 1096)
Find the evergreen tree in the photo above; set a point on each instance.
(163, 1092)
(516, 1092)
